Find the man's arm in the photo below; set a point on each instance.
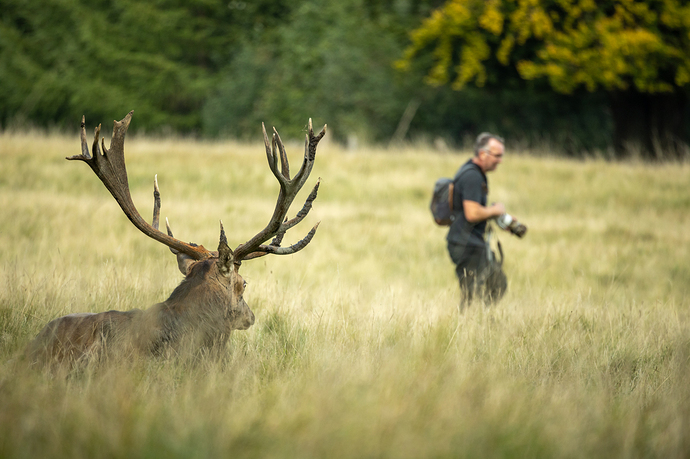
(475, 212)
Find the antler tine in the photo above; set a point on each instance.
(109, 167)
(284, 164)
(310, 143)
(287, 224)
(289, 188)
(277, 250)
(157, 211)
(225, 255)
(156, 203)
(304, 210)
(273, 158)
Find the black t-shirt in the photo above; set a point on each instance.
(469, 184)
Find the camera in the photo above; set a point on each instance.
(509, 223)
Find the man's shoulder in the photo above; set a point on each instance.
(469, 169)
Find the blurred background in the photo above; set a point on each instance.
(575, 78)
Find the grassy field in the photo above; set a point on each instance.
(359, 349)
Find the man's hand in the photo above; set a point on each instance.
(475, 212)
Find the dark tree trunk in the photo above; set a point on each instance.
(651, 126)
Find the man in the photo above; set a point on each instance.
(466, 244)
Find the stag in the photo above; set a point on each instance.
(208, 305)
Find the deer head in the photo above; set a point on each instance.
(208, 304)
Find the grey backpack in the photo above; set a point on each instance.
(442, 201)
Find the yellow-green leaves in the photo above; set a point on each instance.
(492, 19)
(613, 45)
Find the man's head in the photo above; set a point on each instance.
(488, 151)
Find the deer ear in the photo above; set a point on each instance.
(225, 255)
(184, 262)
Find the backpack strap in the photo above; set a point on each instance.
(456, 179)
(451, 192)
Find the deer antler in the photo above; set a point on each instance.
(110, 169)
(289, 188)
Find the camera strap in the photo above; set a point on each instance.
(490, 257)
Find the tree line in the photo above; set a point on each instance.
(582, 76)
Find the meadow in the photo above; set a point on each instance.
(359, 347)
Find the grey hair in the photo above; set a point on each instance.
(483, 140)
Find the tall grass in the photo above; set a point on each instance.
(359, 349)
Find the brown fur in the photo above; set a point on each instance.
(199, 315)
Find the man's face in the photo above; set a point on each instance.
(492, 155)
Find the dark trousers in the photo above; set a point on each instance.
(470, 261)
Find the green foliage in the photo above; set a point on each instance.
(64, 58)
(330, 61)
(339, 70)
(635, 53)
(221, 68)
(528, 117)
(614, 45)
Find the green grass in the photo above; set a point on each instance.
(359, 349)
